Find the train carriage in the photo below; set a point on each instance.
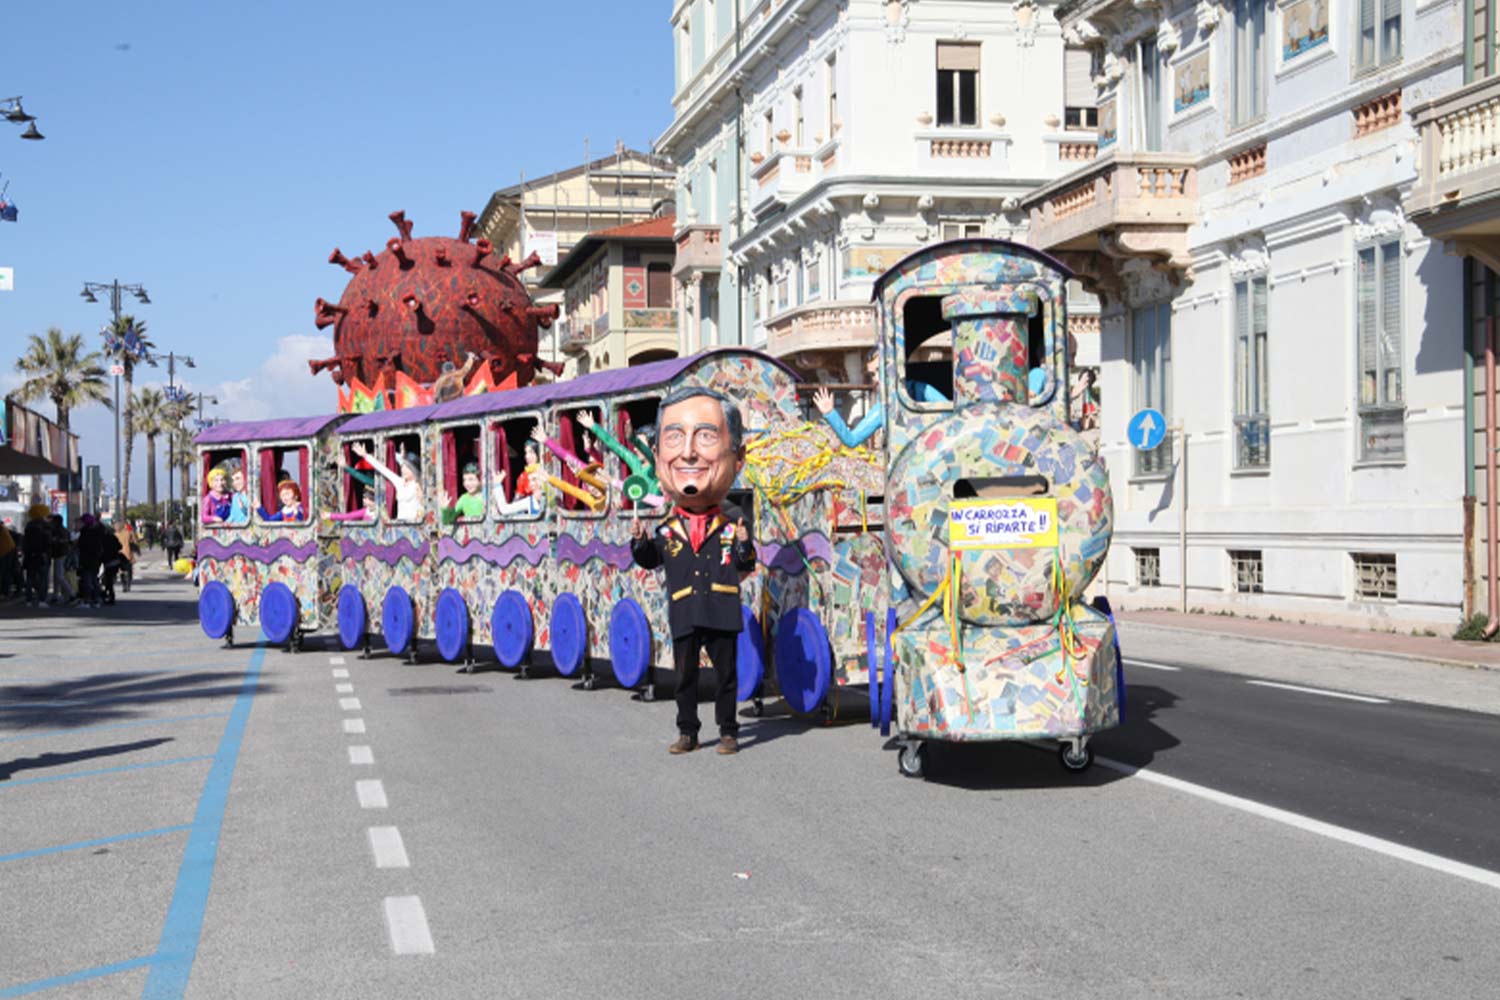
(258, 563)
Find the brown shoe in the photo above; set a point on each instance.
(729, 745)
(686, 743)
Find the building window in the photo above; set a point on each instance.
(659, 285)
(1149, 61)
(960, 230)
(1151, 357)
(710, 29)
(799, 134)
(1382, 413)
(1374, 576)
(1080, 99)
(1379, 33)
(768, 135)
(957, 83)
(814, 279)
(1249, 70)
(685, 52)
(833, 94)
(713, 192)
(1147, 567)
(783, 293)
(1249, 571)
(1252, 376)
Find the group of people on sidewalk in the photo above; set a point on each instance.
(48, 565)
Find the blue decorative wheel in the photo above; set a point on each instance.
(278, 612)
(629, 642)
(215, 609)
(511, 629)
(570, 635)
(750, 652)
(872, 665)
(352, 617)
(396, 620)
(451, 623)
(1101, 604)
(804, 661)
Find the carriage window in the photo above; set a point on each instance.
(224, 475)
(401, 467)
(284, 482)
(585, 489)
(1041, 367)
(462, 475)
(635, 432)
(519, 473)
(927, 376)
(358, 489)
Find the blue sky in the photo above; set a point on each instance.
(220, 156)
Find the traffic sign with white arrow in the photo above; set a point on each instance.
(1146, 429)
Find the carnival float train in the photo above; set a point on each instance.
(454, 501)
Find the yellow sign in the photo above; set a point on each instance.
(1021, 523)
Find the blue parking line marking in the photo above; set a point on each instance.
(113, 725)
(38, 852)
(181, 931)
(103, 770)
(37, 985)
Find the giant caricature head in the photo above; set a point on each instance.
(700, 447)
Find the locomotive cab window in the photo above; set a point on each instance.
(225, 497)
(519, 470)
(585, 486)
(1041, 365)
(400, 465)
(285, 484)
(358, 489)
(462, 475)
(926, 378)
(635, 433)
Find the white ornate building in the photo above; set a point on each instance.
(1246, 228)
(820, 141)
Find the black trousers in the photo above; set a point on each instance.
(724, 655)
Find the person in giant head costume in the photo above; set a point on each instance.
(703, 546)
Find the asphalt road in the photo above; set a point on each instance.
(179, 820)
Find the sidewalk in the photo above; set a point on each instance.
(1434, 649)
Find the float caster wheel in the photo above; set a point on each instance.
(365, 651)
(911, 759)
(589, 683)
(411, 653)
(648, 693)
(825, 714)
(1076, 755)
(523, 670)
(757, 708)
(229, 638)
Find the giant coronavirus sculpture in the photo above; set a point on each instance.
(429, 319)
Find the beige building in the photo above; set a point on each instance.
(617, 294)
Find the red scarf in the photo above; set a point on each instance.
(697, 524)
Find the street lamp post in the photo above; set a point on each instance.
(119, 350)
(11, 111)
(175, 396)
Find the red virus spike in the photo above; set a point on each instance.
(506, 264)
(481, 251)
(398, 250)
(465, 225)
(402, 225)
(327, 313)
(369, 260)
(337, 257)
(323, 364)
(544, 315)
(531, 261)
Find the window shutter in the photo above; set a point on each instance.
(1242, 348)
(1367, 15)
(1366, 320)
(1260, 334)
(957, 55)
(1078, 80)
(1389, 9)
(1390, 323)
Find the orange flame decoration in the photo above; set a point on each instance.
(358, 397)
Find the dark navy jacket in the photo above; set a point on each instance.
(703, 587)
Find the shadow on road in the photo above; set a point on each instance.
(59, 759)
(112, 697)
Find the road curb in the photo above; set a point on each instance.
(1413, 657)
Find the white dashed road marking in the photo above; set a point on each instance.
(337, 661)
(349, 704)
(361, 755)
(340, 673)
(1151, 666)
(354, 725)
(386, 845)
(407, 922)
(343, 688)
(1327, 694)
(371, 794)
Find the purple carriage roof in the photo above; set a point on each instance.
(606, 383)
(284, 428)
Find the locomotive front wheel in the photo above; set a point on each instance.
(1076, 755)
(911, 759)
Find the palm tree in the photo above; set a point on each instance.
(152, 419)
(57, 367)
(181, 456)
(130, 333)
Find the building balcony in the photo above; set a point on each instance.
(780, 179)
(1457, 193)
(699, 249)
(959, 152)
(821, 326)
(1120, 207)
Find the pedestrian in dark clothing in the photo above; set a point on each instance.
(62, 547)
(704, 546)
(90, 559)
(111, 564)
(10, 561)
(172, 542)
(36, 548)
